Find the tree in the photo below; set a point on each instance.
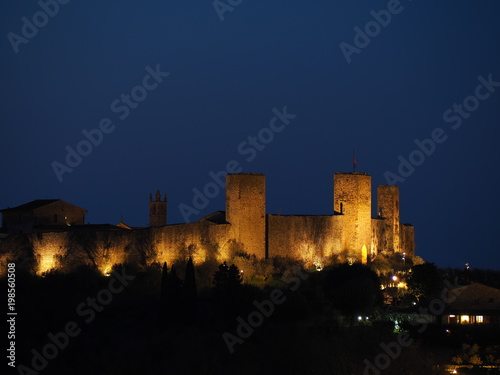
(424, 281)
(227, 285)
(353, 289)
(164, 288)
(227, 279)
(170, 299)
(189, 294)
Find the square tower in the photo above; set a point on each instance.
(388, 209)
(246, 211)
(352, 198)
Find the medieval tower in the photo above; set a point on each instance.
(157, 210)
(246, 211)
(352, 198)
(349, 233)
(388, 209)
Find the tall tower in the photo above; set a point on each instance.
(388, 209)
(246, 211)
(352, 198)
(157, 210)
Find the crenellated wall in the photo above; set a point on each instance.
(349, 233)
(200, 240)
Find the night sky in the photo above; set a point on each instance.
(226, 77)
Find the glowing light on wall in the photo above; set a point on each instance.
(47, 262)
(364, 255)
(109, 251)
(48, 247)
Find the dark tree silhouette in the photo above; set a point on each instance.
(164, 288)
(425, 281)
(234, 278)
(220, 277)
(227, 280)
(353, 289)
(227, 285)
(189, 294)
(171, 297)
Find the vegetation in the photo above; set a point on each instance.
(171, 318)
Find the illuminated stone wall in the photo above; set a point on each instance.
(308, 238)
(349, 233)
(388, 209)
(352, 198)
(49, 249)
(201, 241)
(246, 211)
(379, 242)
(408, 239)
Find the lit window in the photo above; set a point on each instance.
(479, 319)
(464, 319)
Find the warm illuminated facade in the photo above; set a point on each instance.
(42, 214)
(473, 304)
(348, 233)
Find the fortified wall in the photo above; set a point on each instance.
(348, 233)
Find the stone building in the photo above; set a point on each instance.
(41, 215)
(349, 233)
(472, 304)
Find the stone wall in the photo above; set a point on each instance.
(352, 198)
(246, 211)
(311, 239)
(408, 239)
(349, 234)
(388, 208)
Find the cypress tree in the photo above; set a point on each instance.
(164, 289)
(190, 294)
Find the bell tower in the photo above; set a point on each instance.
(157, 210)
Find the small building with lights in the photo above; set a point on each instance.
(41, 215)
(473, 304)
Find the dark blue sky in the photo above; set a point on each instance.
(225, 79)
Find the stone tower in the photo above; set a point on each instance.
(157, 210)
(352, 198)
(246, 211)
(388, 209)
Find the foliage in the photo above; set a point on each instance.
(227, 279)
(425, 281)
(189, 294)
(353, 289)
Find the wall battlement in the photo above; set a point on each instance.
(348, 233)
